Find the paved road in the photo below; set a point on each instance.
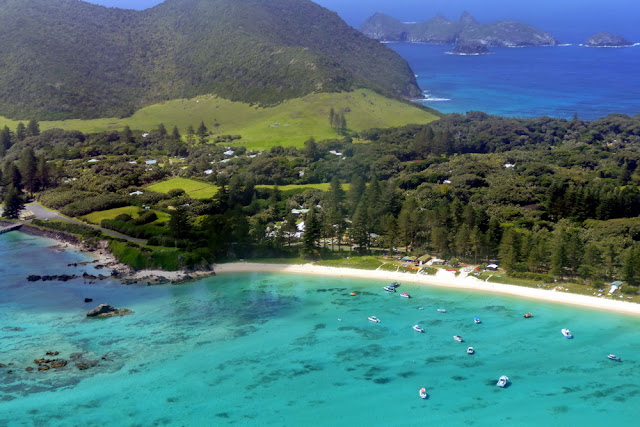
(45, 214)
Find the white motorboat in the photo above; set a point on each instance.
(470, 350)
(390, 288)
(614, 358)
(405, 295)
(458, 338)
(503, 381)
(566, 333)
(442, 310)
(417, 328)
(423, 393)
(477, 320)
(374, 319)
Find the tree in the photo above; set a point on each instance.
(311, 149)
(126, 135)
(175, 134)
(5, 140)
(289, 227)
(509, 250)
(360, 232)
(13, 203)
(332, 117)
(558, 253)
(21, 131)
(162, 130)
(312, 232)
(179, 223)
(14, 177)
(43, 173)
(191, 135)
(29, 169)
(33, 128)
(202, 133)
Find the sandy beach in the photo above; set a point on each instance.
(443, 279)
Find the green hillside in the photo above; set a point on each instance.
(287, 124)
(64, 59)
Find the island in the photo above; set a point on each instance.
(470, 49)
(440, 30)
(604, 39)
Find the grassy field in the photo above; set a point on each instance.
(193, 188)
(324, 186)
(97, 217)
(288, 124)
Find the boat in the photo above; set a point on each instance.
(390, 288)
(442, 310)
(503, 381)
(566, 333)
(417, 328)
(458, 338)
(477, 320)
(423, 393)
(614, 357)
(470, 350)
(527, 315)
(405, 295)
(374, 319)
(353, 294)
(395, 284)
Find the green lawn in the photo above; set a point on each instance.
(193, 188)
(288, 124)
(97, 217)
(324, 186)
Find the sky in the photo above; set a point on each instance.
(567, 20)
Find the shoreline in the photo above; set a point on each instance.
(443, 279)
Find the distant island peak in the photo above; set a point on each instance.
(465, 31)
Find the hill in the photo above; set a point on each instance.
(69, 59)
(440, 30)
(287, 124)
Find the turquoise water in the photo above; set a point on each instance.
(529, 82)
(268, 349)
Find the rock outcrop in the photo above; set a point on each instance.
(106, 310)
(607, 40)
(471, 49)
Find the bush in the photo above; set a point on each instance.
(146, 218)
(66, 227)
(101, 202)
(56, 199)
(130, 229)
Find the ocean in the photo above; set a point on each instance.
(529, 82)
(282, 349)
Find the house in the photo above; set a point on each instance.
(299, 211)
(229, 153)
(335, 153)
(509, 165)
(615, 286)
(492, 267)
(26, 215)
(93, 161)
(151, 162)
(437, 261)
(446, 181)
(208, 172)
(136, 193)
(133, 162)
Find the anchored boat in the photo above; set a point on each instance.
(374, 319)
(566, 333)
(423, 393)
(417, 328)
(503, 381)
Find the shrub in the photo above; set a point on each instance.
(67, 227)
(56, 199)
(100, 202)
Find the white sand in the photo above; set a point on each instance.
(442, 279)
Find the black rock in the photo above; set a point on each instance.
(88, 299)
(34, 278)
(471, 49)
(607, 40)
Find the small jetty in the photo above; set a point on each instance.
(12, 227)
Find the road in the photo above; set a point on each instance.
(43, 213)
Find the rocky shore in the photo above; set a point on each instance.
(105, 260)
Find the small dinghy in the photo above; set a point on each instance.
(405, 295)
(374, 319)
(390, 288)
(442, 310)
(458, 338)
(527, 315)
(417, 328)
(503, 381)
(423, 393)
(470, 350)
(614, 358)
(566, 333)
(477, 320)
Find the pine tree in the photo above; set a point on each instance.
(179, 223)
(13, 203)
(175, 134)
(630, 266)
(14, 177)
(509, 250)
(332, 118)
(355, 193)
(162, 130)
(33, 128)
(21, 131)
(360, 231)
(558, 253)
(43, 173)
(312, 232)
(202, 133)
(126, 135)
(29, 169)
(191, 135)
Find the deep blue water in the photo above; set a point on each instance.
(529, 82)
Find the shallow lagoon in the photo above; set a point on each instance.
(258, 349)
